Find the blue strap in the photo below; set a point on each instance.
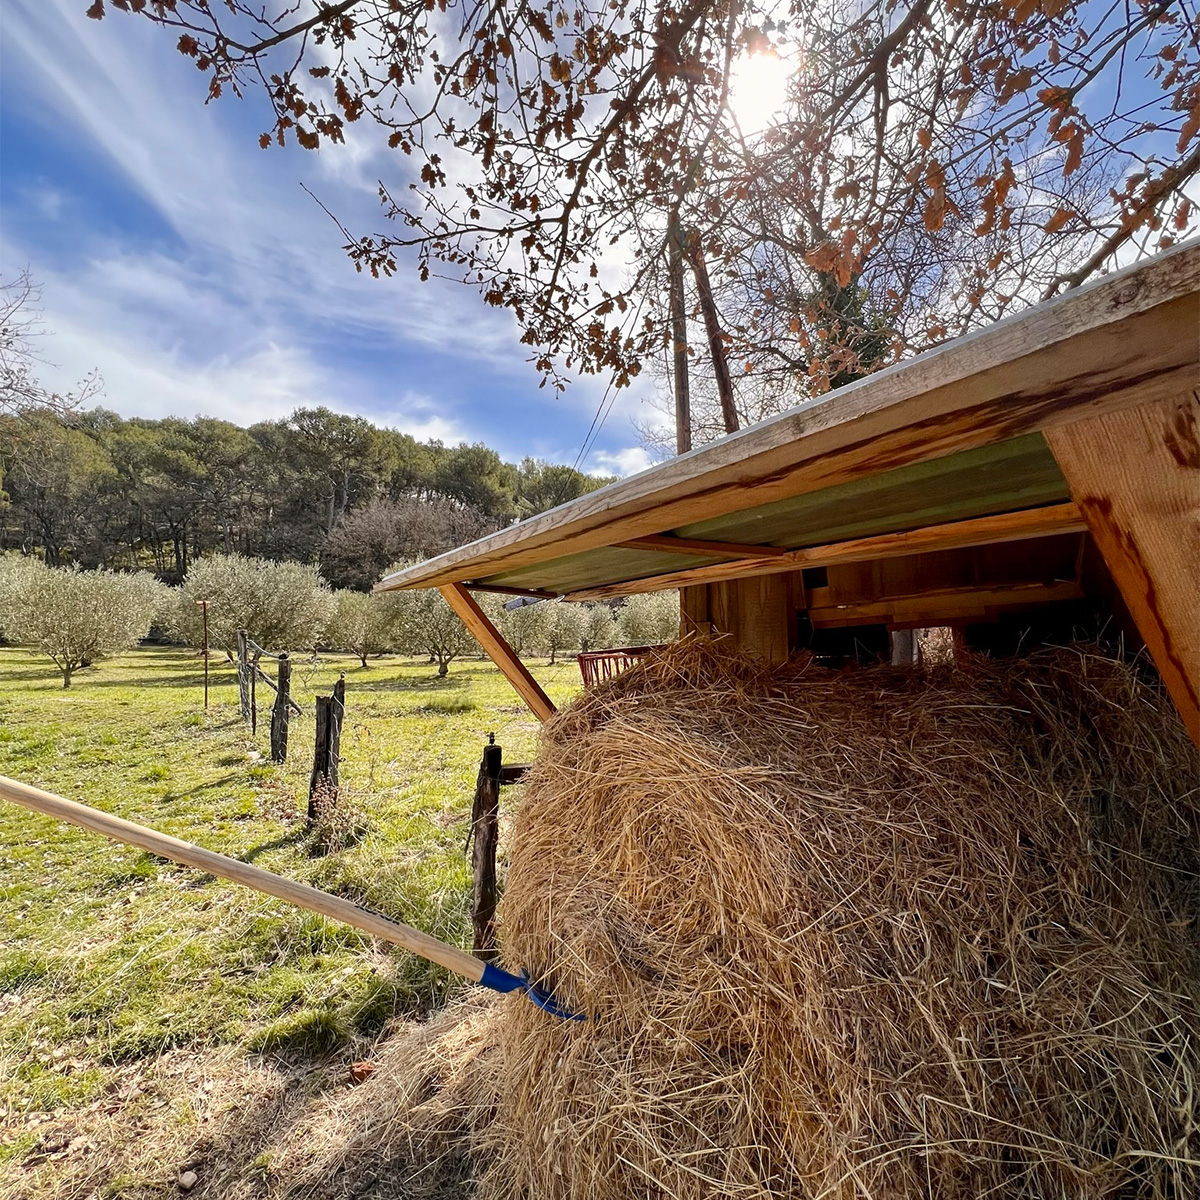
(500, 980)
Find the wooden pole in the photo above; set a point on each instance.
(319, 778)
(712, 326)
(204, 617)
(330, 712)
(243, 675)
(280, 711)
(485, 829)
(683, 402)
(300, 894)
(337, 714)
(253, 703)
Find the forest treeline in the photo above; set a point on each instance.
(95, 489)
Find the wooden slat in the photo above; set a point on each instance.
(503, 589)
(979, 531)
(940, 607)
(1136, 476)
(1127, 340)
(498, 650)
(701, 547)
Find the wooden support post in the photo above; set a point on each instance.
(280, 711)
(498, 650)
(253, 701)
(485, 830)
(753, 612)
(323, 782)
(1135, 474)
(243, 674)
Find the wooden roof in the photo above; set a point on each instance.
(944, 450)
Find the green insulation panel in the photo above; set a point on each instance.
(1003, 477)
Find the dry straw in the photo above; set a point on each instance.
(878, 934)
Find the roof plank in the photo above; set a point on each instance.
(1055, 363)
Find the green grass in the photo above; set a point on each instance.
(109, 955)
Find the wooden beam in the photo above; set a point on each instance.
(498, 650)
(1136, 476)
(698, 546)
(978, 531)
(501, 589)
(1127, 340)
(939, 607)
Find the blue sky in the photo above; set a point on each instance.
(193, 271)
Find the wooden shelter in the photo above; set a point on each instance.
(1038, 474)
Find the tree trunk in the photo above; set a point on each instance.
(683, 408)
(66, 677)
(443, 666)
(712, 325)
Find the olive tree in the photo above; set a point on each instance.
(75, 617)
(599, 627)
(15, 569)
(361, 623)
(425, 624)
(281, 605)
(649, 619)
(560, 628)
(522, 625)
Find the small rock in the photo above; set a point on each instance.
(360, 1070)
(188, 1180)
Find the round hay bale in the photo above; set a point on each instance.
(874, 934)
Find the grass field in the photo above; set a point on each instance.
(110, 958)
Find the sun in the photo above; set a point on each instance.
(758, 89)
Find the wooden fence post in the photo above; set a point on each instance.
(330, 711)
(320, 768)
(280, 712)
(485, 829)
(337, 713)
(253, 699)
(243, 672)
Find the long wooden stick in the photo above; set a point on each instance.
(300, 894)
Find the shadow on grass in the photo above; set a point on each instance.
(401, 683)
(292, 838)
(34, 674)
(171, 797)
(158, 680)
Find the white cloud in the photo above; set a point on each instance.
(629, 461)
(199, 278)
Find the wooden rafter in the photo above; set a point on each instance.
(498, 650)
(501, 589)
(681, 545)
(978, 531)
(942, 606)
